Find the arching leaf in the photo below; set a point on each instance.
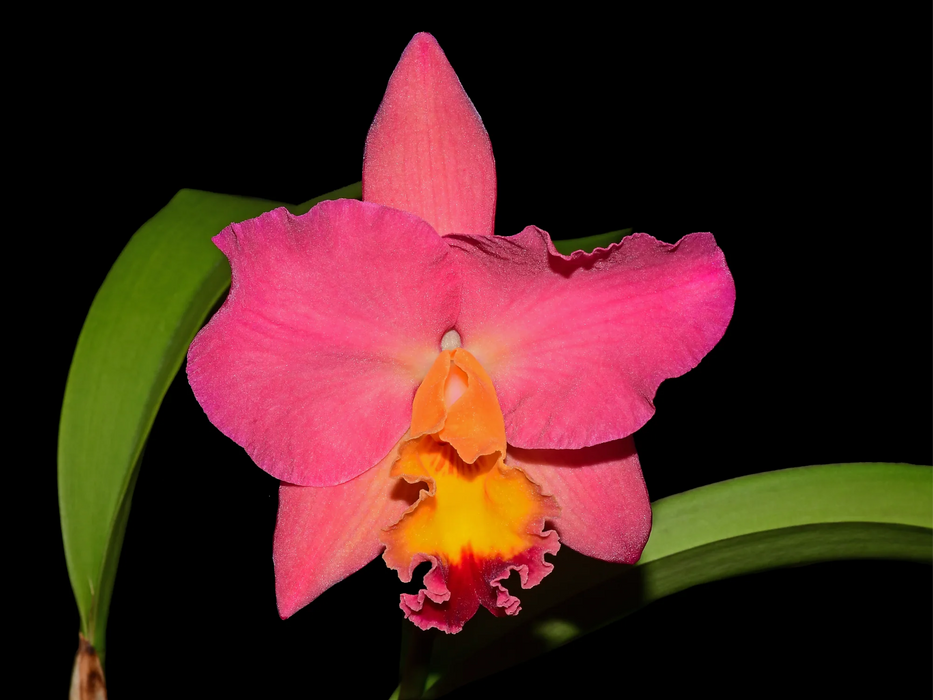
(154, 299)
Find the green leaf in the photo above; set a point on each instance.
(153, 301)
(764, 521)
(590, 243)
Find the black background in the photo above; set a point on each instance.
(800, 139)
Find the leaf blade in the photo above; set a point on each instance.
(785, 518)
(590, 243)
(154, 299)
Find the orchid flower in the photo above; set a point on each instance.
(425, 389)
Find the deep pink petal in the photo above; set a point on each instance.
(577, 346)
(332, 321)
(322, 535)
(427, 151)
(604, 507)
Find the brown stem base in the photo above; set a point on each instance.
(87, 677)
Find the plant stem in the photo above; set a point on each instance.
(416, 657)
(87, 677)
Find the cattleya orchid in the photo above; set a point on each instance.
(426, 389)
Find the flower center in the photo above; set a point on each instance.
(478, 518)
(455, 386)
(451, 340)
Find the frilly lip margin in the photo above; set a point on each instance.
(529, 563)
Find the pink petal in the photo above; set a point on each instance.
(577, 346)
(322, 535)
(427, 151)
(604, 508)
(332, 321)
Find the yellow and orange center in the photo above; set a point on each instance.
(476, 509)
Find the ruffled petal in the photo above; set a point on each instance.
(475, 524)
(604, 507)
(427, 151)
(479, 519)
(577, 346)
(332, 321)
(324, 534)
(472, 422)
(454, 592)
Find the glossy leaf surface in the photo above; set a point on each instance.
(590, 243)
(750, 524)
(154, 299)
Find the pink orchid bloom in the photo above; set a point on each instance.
(428, 390)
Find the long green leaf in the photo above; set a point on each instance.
(754, 523)
(154, 299)
(590, 243)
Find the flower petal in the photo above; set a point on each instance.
(478, 519)
(332, 321)
(604, 508)
(577, 346)
(476, 523)
(324, 534)
(454, 592)
(427, 151)
(472, 422)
